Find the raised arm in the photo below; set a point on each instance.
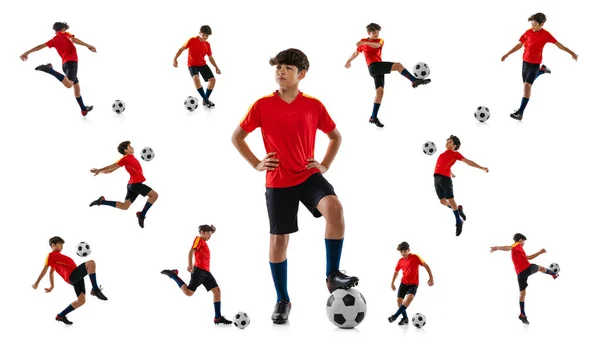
(88, 46)
(177, 55)
(426, 266)
(515, 48)
(504, 248)
(42, 274)
(533, 256)
(32, 50)
(562, 47)
(212, 61)
(107, 169)
(394, 280)
(352, 57)
(370, 44)
(474, 164)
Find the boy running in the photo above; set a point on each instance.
(289, 120)
(198, 48)
(442, 178)
(409, 264)
(523, 268)
(135, 185)
(63, 42)
(534, 41)
(200, 270)
(371, 47)
(72, 274)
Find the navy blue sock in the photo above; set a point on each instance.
(401, 310)
(146, 208)
(108, 203)
(549, 272)
(80, 102)
(375, 110)
(177, 280)
(408, 75)
(279, 273)
(540, 72)
(208, 92)
(333, 254)
(217, 309)
(66, 311)
(457, 216)
(522, 305)
(202, 94)
(524, 102)
(60, 77)
(93, 279)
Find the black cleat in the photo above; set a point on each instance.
(339, 280)
(523, 319)
(462, 213)
(392, 318)
(281, 312)
(44, 67)
(403, 321)
(517, 115)
(87, 109)
(97, 202)
(140, 219)
(222, 320)
(376, 122)
(63, 319)
(170, 272)
(459, 228)
(545, 69)
(420, 81)
(208, 104)
(98, 293)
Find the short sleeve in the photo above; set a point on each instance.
(50, 43)
(252, 119)
(197, 243)
(398, 267)
(550, 38)
(208, 49)
(381, 42)
(523, 38)
(325, 123)
(359, 49)
(48, 260)
(514, 245)
(420, 260)
(458, 156)
(187, 43)
(123, 161)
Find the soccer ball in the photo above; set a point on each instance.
(346, 308)
(147, 154)
(554, 267)
(482, 113)
(241, 320)
(83, 249)
(118, 106)
(191, 103)
(429, 147)
(419, 320)
(421, 70)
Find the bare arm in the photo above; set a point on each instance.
(190, 262)
(394, 280)
(426, 266)
(239, 141)
(352, 57)
(370, 44)
(474, 164)
(42, 274)
(504, 248)
(562, 47)
(533, 256)
(51, 281)
(177, 56)
(335, 140)
(515, 48)
(107, 169)
(212, 61)
(34, 49)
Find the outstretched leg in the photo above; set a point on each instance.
(404, 72)
(47, 68)
(120, 205)
(403, 304)
(62, 316)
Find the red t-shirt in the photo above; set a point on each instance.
(132, 165)
(534, 44)
(410, 269)
(371, 54)
(289, 130)
(202, 254)
(63, 42)
(445, 162)
(519, 257)
(197, 50)
(62, 264)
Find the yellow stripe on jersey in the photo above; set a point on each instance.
(311, 97)
(119, 159)
(196, 242)
(47, 257)
(381, 42)
(419, 258)
(250, 108)
(514, 244)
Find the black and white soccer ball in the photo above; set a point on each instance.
(429, 147)
(554, 267)
(482, 113)
(241, 320)
(118, 106)
(83, 249)
(191, 103)
(421, 70)
(147, 154)
(419, 320)
(346, 309)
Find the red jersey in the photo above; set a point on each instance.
(62, 264)
(519, 257)
(289, 130)
(197, 50)
(202, 254)
(534, 44)
(371, 54)
(445, 162)
(63, 42)
(410, 269)
(132, 165)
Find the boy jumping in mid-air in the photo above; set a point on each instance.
(523, 267)
(63, 42)
(289, 120)
(135, 185)
(72, 274)
(442, 178)
(409, 264)
(371, 47)
(534, 40)
(200, 270)
(198, 47)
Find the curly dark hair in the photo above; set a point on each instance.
(456, 141)
(291, 57)
(206, 30)
(207, 228)
(123, 146)
(56, 240)
(403, 246)
(58, 26)
(518, 237)
(538, 17)
(373, 27)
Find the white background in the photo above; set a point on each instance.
(542, 180)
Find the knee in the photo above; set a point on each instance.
(154, 195)
(212, 81)
(216, 291)
(379, 91)
(195, 78)
(278, 241)
(80, 301)
(188, 292)
(444, 202)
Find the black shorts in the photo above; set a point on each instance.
(530, 71)
(204, 70)
(443, 186)
(77, 279)
(282, 203)
(522, 276)
(377, 70)
(70, 69)
(407, 289)
(133, 190)
(201, 276)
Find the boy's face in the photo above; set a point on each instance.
(522, 242)
(536, 26)
(287, 76)
(450, 144)
(374, 34)
(205, 235)
(405, 253)
(57, 247)
(204, 36)
(129, 149)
